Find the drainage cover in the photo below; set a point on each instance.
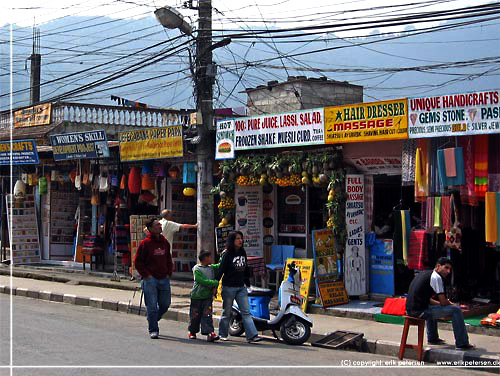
(340, 339)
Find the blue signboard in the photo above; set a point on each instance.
(382, 267)
(23, 152)
(80, 145)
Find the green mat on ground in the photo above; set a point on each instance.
(399, 320)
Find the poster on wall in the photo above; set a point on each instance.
(373, 121)
(325, 255)
(268, 218)
(23, 152)
(151, 143)
(454, 115)
(33, 116)
(224, 140)
(306, 272)
(249, 217)
(355, 257)
(382, 267)
(299, 128)
(80, 145)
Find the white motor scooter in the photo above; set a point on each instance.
(294, 325)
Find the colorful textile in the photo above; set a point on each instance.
(406, 229)
(422, 170)
(408, 162)
(417, 255)
(491, 219)
(467, 192)
(497, 196)
(480, 165)
(450, 163)
(437, 212)
(459, 170)
(446, 213)
(429, 221)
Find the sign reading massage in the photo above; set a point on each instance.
(151, 143)
(280, 130)
(373, 121)
(23, 152)
(31, 116)
(81, 145)
(454, 115)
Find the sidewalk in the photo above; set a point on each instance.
(379, 338)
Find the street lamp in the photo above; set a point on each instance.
(170, 18)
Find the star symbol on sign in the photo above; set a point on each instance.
(339, 116)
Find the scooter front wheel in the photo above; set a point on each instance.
(236, 327)
(296, 333)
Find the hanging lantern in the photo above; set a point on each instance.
(147, 167)
(42, 185)
(134, 180)
(19, 190)
(189, 191)
(148, 182)
(161, 171)
(123, 182)
(173, 172)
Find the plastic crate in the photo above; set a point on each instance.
(259, 306)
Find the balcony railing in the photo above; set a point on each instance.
(110, 115)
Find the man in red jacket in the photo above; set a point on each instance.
(153, 261)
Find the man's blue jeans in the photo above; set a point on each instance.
(435, 312)
(240, 294)
(157, 299)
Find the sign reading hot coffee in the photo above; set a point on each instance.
(374, 121)
(280, 130)
(455, 115)
(249, 217)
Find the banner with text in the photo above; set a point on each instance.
(151, 143)
(23, 152)
(355, 257)
(373, 121)
(80, 145)
(224, 140)
(325, 255)
(306, 273)
(32, 116)
(249, 217)
(454, 115)
(298, 128)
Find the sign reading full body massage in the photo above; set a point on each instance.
(454, 115)
(298, 128)
(355, 257)
(249, 218)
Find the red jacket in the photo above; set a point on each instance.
(153, 258)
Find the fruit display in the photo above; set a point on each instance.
(289, 180)
(226, 203)
(244, 180)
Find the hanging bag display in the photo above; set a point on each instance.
(454, 235)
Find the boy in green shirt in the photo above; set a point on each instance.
(200, 310)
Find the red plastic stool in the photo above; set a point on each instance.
(420, 323)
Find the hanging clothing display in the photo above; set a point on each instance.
(437, 212)
(422, 170)
(492, 216)
(408, 159)
(445, 213)
(481, 165)
(417, 255)
(451, 169)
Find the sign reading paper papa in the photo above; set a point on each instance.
(151, 143)
(80, 145)
(23, 152)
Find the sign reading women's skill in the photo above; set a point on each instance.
(81, 145)
(306, 269)
(454, 115)
(151, 143)
(280, 130)
(374, 121)
(355, 258)
(249, 217)
(224, 140)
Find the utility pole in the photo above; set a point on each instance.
(35, 67)
(205, 73)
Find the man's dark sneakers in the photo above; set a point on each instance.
(438, 341)
(469, 346)
(254, 339)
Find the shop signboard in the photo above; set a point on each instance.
(33, 116)
(221, 234)
(454, 115)
(151, 143)
(355, 257)
(373, 121)
(325, 255)
(377, 165)
(306, 272)
(382, 267)
(23, 152)
(224, 140)
(80, 145)
(249, 218)
(300, 128)
(332, 293)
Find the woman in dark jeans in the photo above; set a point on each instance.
(235, 272)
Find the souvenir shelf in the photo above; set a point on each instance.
(24, 244)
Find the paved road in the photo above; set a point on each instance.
(55, 334)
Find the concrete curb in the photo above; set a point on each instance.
(378, 347)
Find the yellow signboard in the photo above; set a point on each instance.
(373, 121)
(333, 293)
(151, 143)
(32, 116)
(306, 269)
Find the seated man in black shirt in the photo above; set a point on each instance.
(420, 303)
